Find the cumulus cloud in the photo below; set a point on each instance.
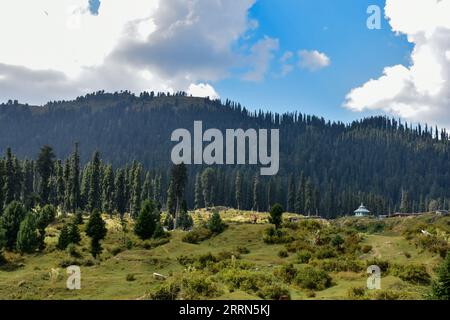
(76, 46)
(420, 91)
(286, 63)
(202, 90)
(259, 60)
(313, 60)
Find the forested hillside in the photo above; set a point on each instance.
(325, 167)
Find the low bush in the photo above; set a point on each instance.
(325, 253)
(383, 264)
(130, 277)
(197, 235)
(303, 257)
(286, 273)
(274, 292)
(356, 293)
(416, 274)
(276, 236)
(313, 279)
(283, 254)
(166, 292)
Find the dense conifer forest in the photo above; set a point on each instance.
(112, 151)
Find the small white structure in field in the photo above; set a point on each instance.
(362, 211)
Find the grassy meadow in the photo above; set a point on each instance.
(316, 259)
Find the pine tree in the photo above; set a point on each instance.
(67, 186)
(405, 203)
(85, 186)
(27, 241)
(238, 192)
(207, 180)
(441, 287)
(74, 234)
(171, 201)
(146, 223)
(300, 196)
(157, 189)
(60, 184)
(8, 187)
(78, 217)
(198, 201)
(291, 195)
(256, 193)
(96, 230)
(45, 216)
(18, 179)
(108, 190)
(94, 195)
(147, 188)
(74, 181)
(276, 215)
(309, 197)
(179, 181)
(136, 190)
(184, 221)
(119, 188)
(63, 239)
(10, 220)
(45, 168)
(215, 223)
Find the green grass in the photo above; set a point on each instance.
(28, 276)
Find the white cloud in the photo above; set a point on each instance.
(313, 60)
(202, 90)
(259, 60)
(420, 91)
(135, 45)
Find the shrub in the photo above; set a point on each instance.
(356, 293)
(313, 279)
(197, 285)
(116, 250)
(337, 241)
(73, 251)
(166, 292)
(383, 264)
(246, 280)
(197, 235)
(276, 215)
(276, 236)
(283, 254)
(310, 294)
(287, 273)
(441, 287)
(413, 273)
(366, 248)
(325, 253)
(386, 295)
(274, 292)
(130, 277)
(215, 223)
(303, 256)
(242, 250)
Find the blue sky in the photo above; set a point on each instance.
(314, 56)
(337, 28)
